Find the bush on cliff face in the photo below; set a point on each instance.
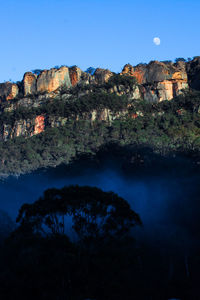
(162, 133)
(117, 79)
(180, 59)
(37, 71)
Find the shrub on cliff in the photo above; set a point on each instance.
(180, 59)
(117, 79)
(37, 71)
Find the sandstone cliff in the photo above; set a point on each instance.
(8, 90)
(156, 81)
(159, 81)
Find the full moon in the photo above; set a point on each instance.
(156, 41)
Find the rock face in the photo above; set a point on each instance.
(193, 70)
(137, 72)
(156, 81)
(34, 126)
(29, 83)
(102, 75)
(39, 124)
(19, 128)
(75, 75)
(159, 81)
(8, 91)
(50, 80)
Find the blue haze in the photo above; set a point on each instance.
(168, 205)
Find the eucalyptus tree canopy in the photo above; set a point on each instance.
(95, 214)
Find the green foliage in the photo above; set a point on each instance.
(167, 126)
(125, 80)
(180, 59)
(37, 71)
(57, 107)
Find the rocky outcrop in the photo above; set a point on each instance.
(75, 75)
(156, 81)
(29, 83)
(137, 72)
(19, 128)
(8, 91)
(53, 79)
(193, 71)
(36, 125)
(159, 81)
(23, 127)
(39, 124)
(102, 75)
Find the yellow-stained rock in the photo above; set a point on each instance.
(53, 79)
(29, 83)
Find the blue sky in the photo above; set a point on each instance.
(98, 33)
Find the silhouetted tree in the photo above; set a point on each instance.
(179, 59)
(40, 261)
(37, 71)
(95, 214)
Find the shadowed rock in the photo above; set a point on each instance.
(8, 90)
(193, 70)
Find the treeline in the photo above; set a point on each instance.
(70, 108)
(79, 243)
(42, 260)
(165, 127)
(162, 134)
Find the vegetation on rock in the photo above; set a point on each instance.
(169, 126)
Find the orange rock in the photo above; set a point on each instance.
(75, 75)
(51, 80)
(159, 81)
(134, 116)
(180, 76)
(139, 75)
(39, 124)
(128, 70)
(136, 72)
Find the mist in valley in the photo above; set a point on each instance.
(168, 203)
